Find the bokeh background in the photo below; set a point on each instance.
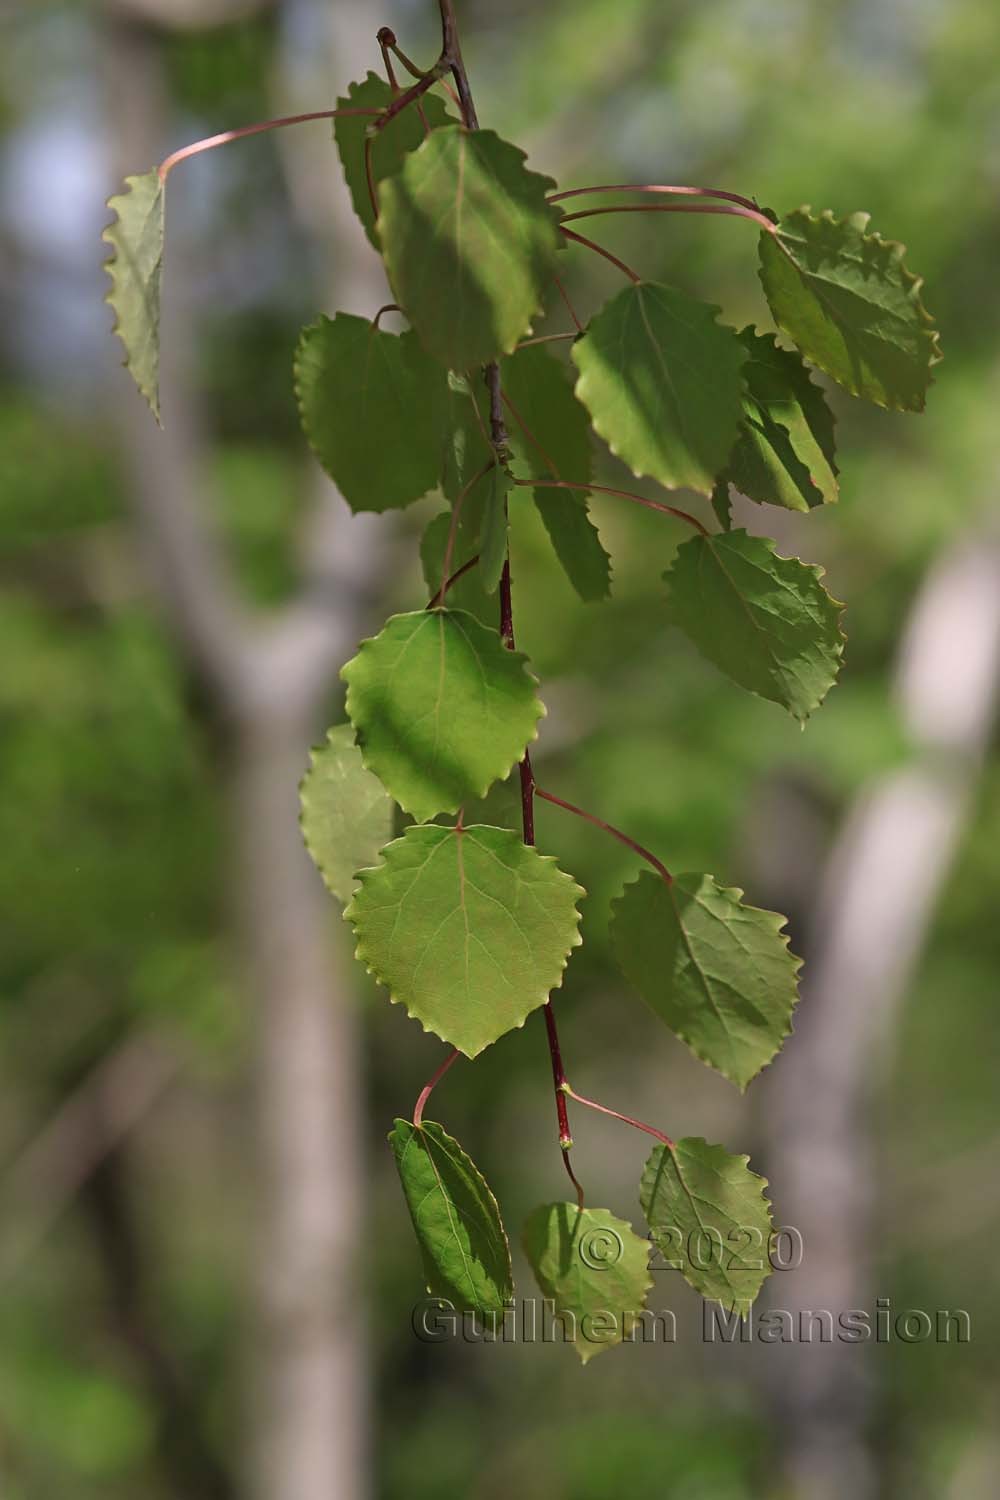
(206, 1270)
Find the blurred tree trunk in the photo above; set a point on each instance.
(871, 917)
(266, 682)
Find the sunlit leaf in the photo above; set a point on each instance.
(717, 971)
(373, 407)
(442, 709)
(135, 268)
(346, 812)
(390, 146)
(850, 304)
(710, 1219)
(764, 620)
(663, 383)
(595, 1269)
(470, 244)
(469, 928)
(785, 451)
(462, 1241)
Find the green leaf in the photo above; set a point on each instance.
(594, 1267)
(493, 539)
(346, 813)
(663, 383)
(468, 593)
(550, 433)
(469, 928)
(456, 1217)
(722, 504)
(784, 454)
(373, 407)
(467, 450)
(850, 304)
(718, 972)
(441, 707)
(135, 268)
(709, 1218)
(390, 146)
(766, 621)
(470, 244)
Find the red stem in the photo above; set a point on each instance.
(617, 1115)
(652, 187)
(545, 338)
(435, 602)
(600, 250)
(615, 833)
(209, 144)
(604, 489)
(673, 208)
(453, 531)
(569, 306)
(451, 53)
(425, 1092)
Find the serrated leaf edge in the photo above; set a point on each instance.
(739, 1156)
(819, 573)
(549, 184)
(893, 251)
(769, 337)
(305, 803)
(588, 1352)
(426, 1125)
(779, 922)
(110, 236)
(363, 957)
(504, 770)
(578, 390)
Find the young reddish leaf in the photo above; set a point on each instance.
(550, 434)
(718, 972)
(710, 1219)
(373, 407)
(594, 1267)
(135, 268)
(850, 304)
(766, 621)
(346, 812)
(663, 383)
(390, 146)
(457, 1221)
(469, 928)
(785, 451)
(470, 244)
(442, 709)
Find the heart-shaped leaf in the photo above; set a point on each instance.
(850, 304)
(470, 244)
(766, 621)
(710, 1219)
(441, 707)
(373, 406)
(718, 972)
(595, 1269)
(663, 383)
(469, 928)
